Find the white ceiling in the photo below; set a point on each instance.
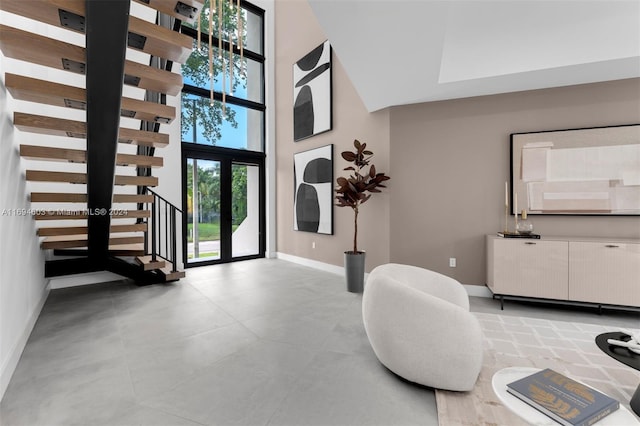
(407, 51)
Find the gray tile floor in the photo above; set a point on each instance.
(263, 342)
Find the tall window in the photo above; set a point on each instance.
(240, 123)
(223, 137)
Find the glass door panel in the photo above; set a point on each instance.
(203, 210)
(245, 210)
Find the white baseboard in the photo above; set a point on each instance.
(327, 267)
(472, 290)
(6, 370)
(478, 290)
(271, 255)
(83, 279)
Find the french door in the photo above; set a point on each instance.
(223, 205)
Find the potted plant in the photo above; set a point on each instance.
(353, 191)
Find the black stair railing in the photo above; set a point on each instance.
(161, 236)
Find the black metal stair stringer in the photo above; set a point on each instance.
(107, 24)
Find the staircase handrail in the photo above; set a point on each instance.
(170, 225)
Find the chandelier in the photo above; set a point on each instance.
(225, 11)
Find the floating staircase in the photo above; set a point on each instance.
(136, 234)
(37, 49)
(77, 129)
(45, 92)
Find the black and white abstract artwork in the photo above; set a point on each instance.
(312, 112)
(313, 190)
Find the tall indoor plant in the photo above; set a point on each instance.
(353, 191)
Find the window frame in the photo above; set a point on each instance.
(226, 155)
(233, 100)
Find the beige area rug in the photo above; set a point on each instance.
(566, 347)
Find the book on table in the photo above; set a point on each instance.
(565, 400)
(516, 235)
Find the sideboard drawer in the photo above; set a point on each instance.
(531, 268)
(605, 272)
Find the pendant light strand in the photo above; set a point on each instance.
(220, 15)
(240, 24)
(210, 57)
(233, 33)
(199, 32)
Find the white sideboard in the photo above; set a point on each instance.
(593, 270)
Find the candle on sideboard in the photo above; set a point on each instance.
(515, 203)
(506, 194)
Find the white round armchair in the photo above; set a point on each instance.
(420, 327)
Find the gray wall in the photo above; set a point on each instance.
(297, 33)
(448, 162)
(450, 159)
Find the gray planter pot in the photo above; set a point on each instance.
(354, 271)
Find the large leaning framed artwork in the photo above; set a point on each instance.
(313, 190)
(312, 111)
(594, 171)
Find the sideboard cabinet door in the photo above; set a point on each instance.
(530, 268)
(604, 272)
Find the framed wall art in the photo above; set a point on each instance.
(593, 171)
(312, 109)
(313, 190)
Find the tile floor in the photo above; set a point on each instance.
(263, 342)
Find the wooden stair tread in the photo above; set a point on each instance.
(37, 49)
(47, 92)
(60, 243)
(159, 41)
(80, 156)
(116, 250)
(148, 264)
(82, 230)
(162, 42)
(57, 197)
(154, 79)
(136, 180)
(142, 161)
(170, 7)
(132, 198)
(171, 276)
(66, 197)
(61, 127)
(127, 249)
(129, 239)
(46, 176)
(67, 177)
(82, 214)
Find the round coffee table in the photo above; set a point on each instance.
(624, 356)
(620, 417)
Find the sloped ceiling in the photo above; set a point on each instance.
(408, 51)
